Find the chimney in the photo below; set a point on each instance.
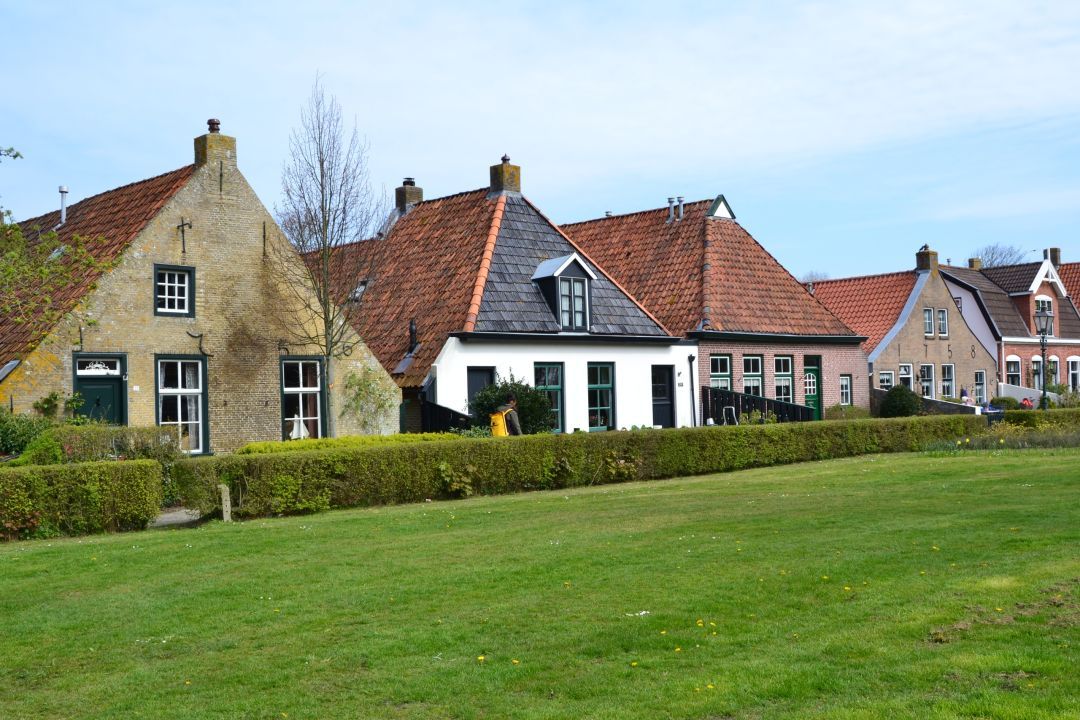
(974, 264)
(214, 147)
(926, 259)
(412, 335)
(671, 209)
(680, 199)
(505, 177)
(607, 213)
(1051, 254)
(63, 204)
(408, 195)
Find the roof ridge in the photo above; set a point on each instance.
(637, 212)
(485, 264)
(861, 277)
(454, 195)
(71, 207)
(608, 275)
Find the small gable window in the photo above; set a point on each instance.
(174, 290)
(572, 304)
(565, 285)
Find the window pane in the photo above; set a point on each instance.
(291, 405)
(168, 408)
(291, 372)
(169, 375)
(189, 379)
(311, 374)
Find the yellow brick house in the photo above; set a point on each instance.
(185, 321)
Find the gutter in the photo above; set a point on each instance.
(565, 338)
(776, 337)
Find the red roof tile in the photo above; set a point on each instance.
(108, 222)
(1070, 277)
(703, 273)
(870, 304)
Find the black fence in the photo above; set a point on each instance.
(725, 407)
(436, 418)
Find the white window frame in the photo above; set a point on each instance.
(845, 389)
(948, 380)
(569, 288)
(928, 322)
(784, 379)
(980, 387)
(907, 370)
(1036, 372)
(1046, 302)
(1072, 363)
(169, 290)
(926, 382)
(886, 380)
(756, 378)
(943, 322)
(184, 398)
(299, 425)
(1018, 375)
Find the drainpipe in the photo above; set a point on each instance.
(693, 391)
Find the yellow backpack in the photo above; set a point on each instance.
(498, 424)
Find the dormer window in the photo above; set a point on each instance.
(358, 291)
(1044, 304)
(564, 283)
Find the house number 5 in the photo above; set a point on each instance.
(949, 348)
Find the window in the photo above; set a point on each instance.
(885, 379)
(601, 396)
(943, 322)
(959, 303)
(948, 388)
(301, 398)
(358, 292)
(174, 290)
(573, 304)
(1052, 370)
(928, 321)
(752, 365)
(782, 379)
(905, 375)
(926, 380)
(548, 377)
(1045, 304)
(181, 401)
(845, 389)
(1012, 370)
(980, 387)
(1073, 365)
(1036, 373)
(720, 371)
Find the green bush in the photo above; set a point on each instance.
(16, 431)
(846, 412)
(347, 441)
(900, 401)
(1005, 403)
(282, 483)
(533, 406)
(90, 443)
(76, 499)
(1065, 417)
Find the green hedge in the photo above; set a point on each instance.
(281, 483)
(1066, 417)
(348, 441)
(90, 443)
(16, 431)
(76, 499)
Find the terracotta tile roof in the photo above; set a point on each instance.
(109, 222)
(870, 304)
(1070, 277)
(1013, 278)
(703, 273)
(464, 263)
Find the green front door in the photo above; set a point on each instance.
(812, 389)
(102, 399)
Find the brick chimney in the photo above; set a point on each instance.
(926, 259)
(974, 263)
(408, 195)
(505, 177)
(1054, 255)
(214, 147)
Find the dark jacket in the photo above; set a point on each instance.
(513, 424)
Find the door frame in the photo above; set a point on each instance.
(812, 365)
(121, 380)
(672, 400)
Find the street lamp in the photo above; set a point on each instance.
(1044, 324)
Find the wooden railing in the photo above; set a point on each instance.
(725, 407)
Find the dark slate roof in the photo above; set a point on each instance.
(512, 302)
(1013, 278)
(1069, 319)
(995, 300)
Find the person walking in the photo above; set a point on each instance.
(504, 421)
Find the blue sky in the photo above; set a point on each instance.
(844, 134)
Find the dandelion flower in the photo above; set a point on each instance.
(678, 649)
(824, 577)
(935, 548)
(711, 686)
(922, 572)
(700, 623)
(847, 588)
(187, 682)
(480, 658)
(632, 663)
(663, 632)
(515, 661)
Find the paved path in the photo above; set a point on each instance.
(176, 517)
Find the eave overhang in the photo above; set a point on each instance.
(776, 337)
(567, 338)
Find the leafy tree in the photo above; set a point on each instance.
(533, 408)
(900, 401)
(998, 254)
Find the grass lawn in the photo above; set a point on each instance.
(905, 586)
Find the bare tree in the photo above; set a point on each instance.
(813, 276)
(328, 209)
(997, 254)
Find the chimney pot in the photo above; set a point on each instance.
(63, 204)
(214, 125)
(409, 182)
(505, 177)
(926, 259)
(408, 195)
(671, 209)
(215, 147)
(680, 199)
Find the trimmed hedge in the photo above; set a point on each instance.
(1065, 417)
(76, 499)
(90, 443)
(348, 441)
(283, 483)
(16, 431)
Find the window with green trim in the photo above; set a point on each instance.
(752, 375)
(720, 371)
(301, 398)
(181, 400)
(783, 378)
(548, 378)
(601, 396)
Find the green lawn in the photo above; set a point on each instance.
(905, 586)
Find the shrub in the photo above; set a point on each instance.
(76, 499)
(347, 441)
(846, 412)
(533, 406)
(16, 431)
(89, 443)
(1061, 418)
(412, 472)
(900, 401)
(1005, 403)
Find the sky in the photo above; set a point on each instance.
(844, 135)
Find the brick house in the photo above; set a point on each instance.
(756, 328)
(915, 335)
(1001, 302)
(480, 284)
(185, 323)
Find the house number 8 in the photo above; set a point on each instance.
(972, 351)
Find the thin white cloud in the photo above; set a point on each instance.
(1013, 204)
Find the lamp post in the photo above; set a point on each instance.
(1043, 325)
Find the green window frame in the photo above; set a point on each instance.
(601, 387)
(845, 390)
(303, 397)
(784, 378)
(720, 371)
(181, 400)
(753, 375)
(548, 377)
(174, 290)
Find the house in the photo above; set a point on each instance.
(477, 285)
(182, 320)
(757, 329)
(915, 334)
(1001, 304)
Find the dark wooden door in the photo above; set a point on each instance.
(663, 395)
(102, 399)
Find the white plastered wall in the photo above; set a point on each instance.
(973, 316)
